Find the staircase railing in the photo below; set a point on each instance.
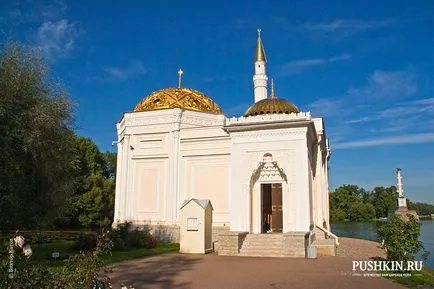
(330, 234)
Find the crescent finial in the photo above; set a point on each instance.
(180, 72)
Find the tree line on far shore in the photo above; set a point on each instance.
(353, 203)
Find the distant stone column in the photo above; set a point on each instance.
(402, 210)
(402, 201)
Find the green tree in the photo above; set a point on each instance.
(36, 140)
(337, 215)
(110, 159)
(422, 209)
(93, 201)
(401, 238)
(343, 198)
(96, 205)
(88, 160)
(361, 212)
(384, 201)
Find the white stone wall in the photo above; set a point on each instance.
(168, 156)
(289, 149)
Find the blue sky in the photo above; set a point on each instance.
(366, 66)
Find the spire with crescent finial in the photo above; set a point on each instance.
(260, 78)
(260, 52)
(272, 89)
(180, 72)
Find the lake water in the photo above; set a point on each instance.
(368, 231)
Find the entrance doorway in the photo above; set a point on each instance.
(271, 204)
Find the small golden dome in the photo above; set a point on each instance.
(271, 105)
(179, 97)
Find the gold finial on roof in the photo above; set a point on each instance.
(272, 89)
(180, 72)
(260, 53)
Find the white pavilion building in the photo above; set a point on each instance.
(264, 172)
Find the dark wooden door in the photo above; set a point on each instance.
(276, 208)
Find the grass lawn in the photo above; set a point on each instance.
(44, 243)
(42, 253)
(162, 248)
(417, 278)
(425, 277)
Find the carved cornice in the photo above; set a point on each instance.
(268, 118)
(203, 120)
(171, 116)
(269, 133)
(131, 120)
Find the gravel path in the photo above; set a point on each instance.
(357, 249)
(212, 271)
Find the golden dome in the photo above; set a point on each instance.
(179, 97)
(271, 105)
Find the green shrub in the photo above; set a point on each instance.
(401, 238)
(141, 239)
(86, 242)
(118, 239)
(79, 271)
(124, 236)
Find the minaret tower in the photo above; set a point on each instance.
(260, 78)
(402, 202)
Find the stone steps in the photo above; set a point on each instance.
(262, 245)
(268, 254)
(261, 252)
(265, 236)
(325, 247)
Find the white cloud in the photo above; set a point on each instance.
(383, 85)
(403, 111)
(134, 68)
(56, 38)
(15, 13)
(54, 10)
(338, 132)
(425, 101)
(353, 25)
(360, 119)
(327, 106)
(338, 29)
(391, 140)
(341, 57)
(33, 11)
(420, 107)
(298, 66)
